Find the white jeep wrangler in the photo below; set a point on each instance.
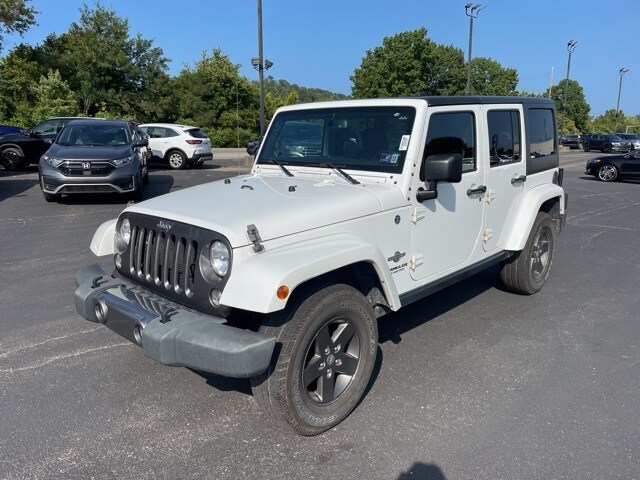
(353, 209)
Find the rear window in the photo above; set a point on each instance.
(196, 133)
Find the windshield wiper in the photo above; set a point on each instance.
(281, 165)
(337, 168)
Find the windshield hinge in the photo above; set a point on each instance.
(418, 214)
(254, 237)
(416, 261)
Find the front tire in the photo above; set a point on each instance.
(607, 173)
(606, 148)
(587, 147)
(177, 160)
(527, 271)
(329, 342)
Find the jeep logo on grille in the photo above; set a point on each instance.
(164, 225)
(86, 165)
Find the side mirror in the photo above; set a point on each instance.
(48, 141)
(440, 168)
(253, 145)
(141, 143)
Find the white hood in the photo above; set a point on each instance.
(277, 206)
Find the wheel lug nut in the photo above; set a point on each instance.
(337, 348)
(327, 351)
(322, 365)
(329, 373)
(338, 362)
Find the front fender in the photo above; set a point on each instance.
(102, 242)
(521, 219)
(254, 281)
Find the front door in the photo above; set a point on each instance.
(445, 231)
(505, 168)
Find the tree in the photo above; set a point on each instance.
(53, 98)
(106, 68)
(15, 17)
(577, 108)
(607, 122)
(409, 64)
(488, 77)
(282, 89)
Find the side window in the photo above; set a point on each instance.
(47, 128)
(542, 132)
(504, 137)
(170, 133)
(452, 133)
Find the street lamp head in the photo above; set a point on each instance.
(623, 71)
(255, 63)
(571, 45)
(268, 64)
(468, 5)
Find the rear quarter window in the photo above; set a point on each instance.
(541, 135)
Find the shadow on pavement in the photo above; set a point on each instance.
(14, 188)
(423, 471)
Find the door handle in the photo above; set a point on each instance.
(474, 191)
(521, 178)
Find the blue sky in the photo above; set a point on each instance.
(320, 43)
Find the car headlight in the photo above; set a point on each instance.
(219, 257)
(119, 162)
(54, 162)
(123, 235)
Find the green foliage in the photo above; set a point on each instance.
(282, 89)
(54, 98)
(488, 77)
(15, 17)
(577, 108)
(607, 122)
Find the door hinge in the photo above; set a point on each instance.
(418, 214)
(487, 234)
(490, 195)
(416, 261)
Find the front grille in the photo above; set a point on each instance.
(87, 189)
(75, 169)
(163, 259)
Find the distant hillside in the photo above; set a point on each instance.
(282, 88)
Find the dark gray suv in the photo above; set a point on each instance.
(94, 156)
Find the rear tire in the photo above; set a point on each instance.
(13, 159)
(527, 271)
(329, 341)
(177, 160)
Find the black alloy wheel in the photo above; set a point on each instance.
(13, 159)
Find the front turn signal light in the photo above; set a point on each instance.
(283, 292)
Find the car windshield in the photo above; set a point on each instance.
(358, 138)
(631, 136)
(94, 135)
(612, 137)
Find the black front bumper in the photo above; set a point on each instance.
(168, 332)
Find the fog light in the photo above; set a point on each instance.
(118, 260)
(214, 297)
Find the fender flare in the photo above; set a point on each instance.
(253, 282)
(102, 241)
(521, 219)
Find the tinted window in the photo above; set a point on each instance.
(542, 132)
(504, 136)
(196, 133)
(452, 133)
(95, 135)
(46, 128)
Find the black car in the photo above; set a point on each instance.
(605, 142)
(7, 129)
(18, 150)
(615, 167)
(571, 140)
(94, 156)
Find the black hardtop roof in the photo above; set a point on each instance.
(485, 100)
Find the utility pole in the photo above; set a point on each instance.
(621, 72)
(571, 46)
(472, 12)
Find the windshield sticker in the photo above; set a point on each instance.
(389, 157)
(404, 142)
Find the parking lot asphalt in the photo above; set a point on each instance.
(473, 382)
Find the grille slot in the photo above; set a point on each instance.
(163, 259)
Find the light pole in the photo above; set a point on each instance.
(571, 46)
(621, 72)
(472, 12)
(260, 64)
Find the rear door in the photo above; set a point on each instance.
(505, 168)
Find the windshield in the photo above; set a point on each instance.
(94, 135)
(358, 138)
(612, 137)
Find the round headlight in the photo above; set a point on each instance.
(219, 257)
(125, 231)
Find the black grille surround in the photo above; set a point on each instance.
(163, 256)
